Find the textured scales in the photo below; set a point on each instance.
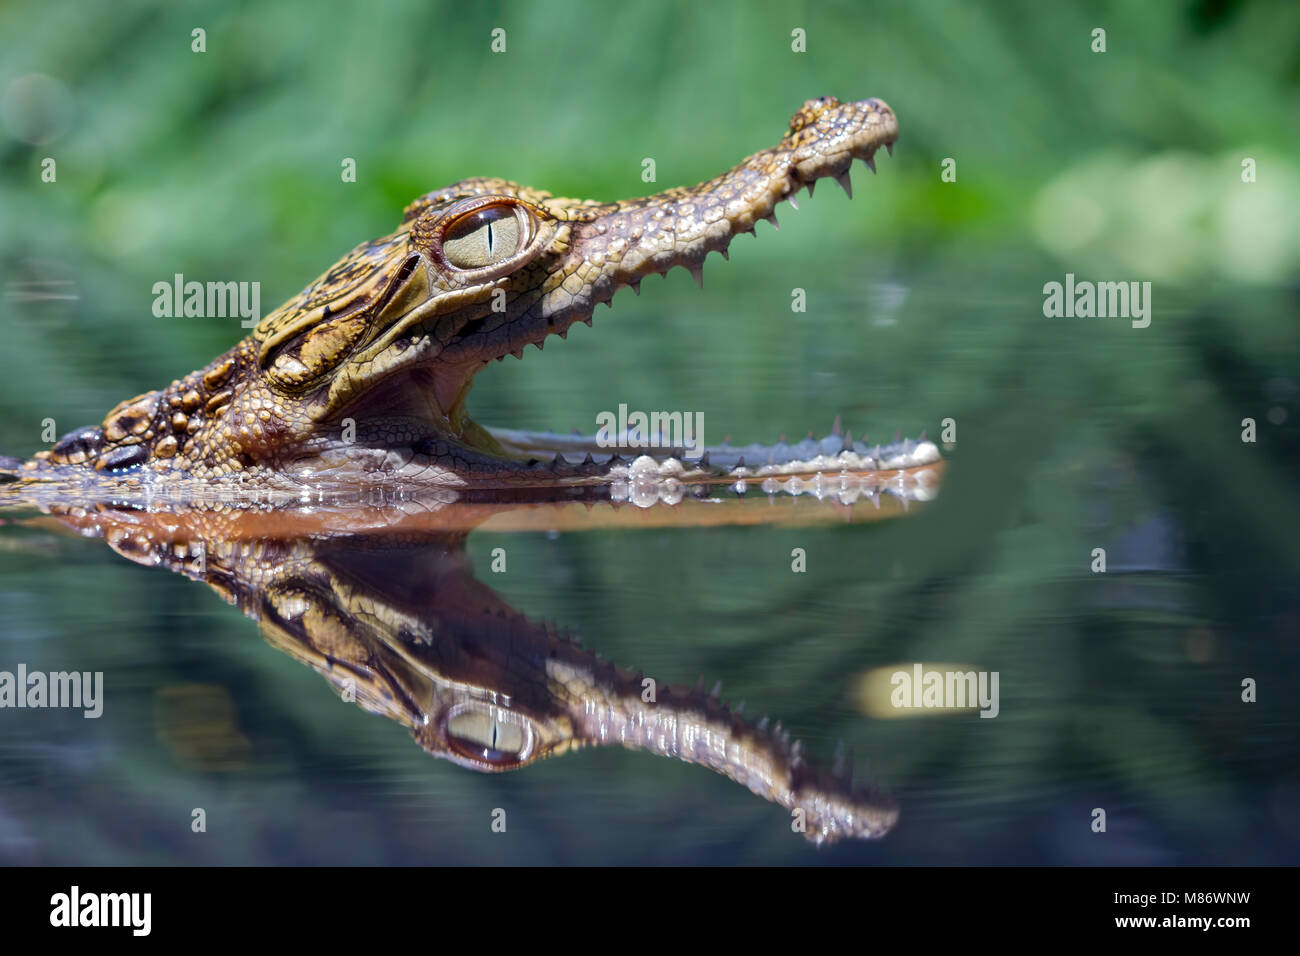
(363, 375)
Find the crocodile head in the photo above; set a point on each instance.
(483, 268)
(378, 353)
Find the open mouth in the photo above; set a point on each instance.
(499, 267)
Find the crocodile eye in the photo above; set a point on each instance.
(481, 238)
(489, 735)
(484, 237)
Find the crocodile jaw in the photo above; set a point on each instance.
(596, 249)
(616, 245)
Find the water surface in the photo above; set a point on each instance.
(1119, 690)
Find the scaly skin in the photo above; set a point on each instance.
(388, 340)
(398, 624)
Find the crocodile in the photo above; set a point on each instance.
(363, 376)
(394, 618)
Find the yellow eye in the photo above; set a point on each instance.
(484, 238)
(489, 735)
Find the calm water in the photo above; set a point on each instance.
(1119, 690)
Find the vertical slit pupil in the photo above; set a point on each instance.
(471, 242)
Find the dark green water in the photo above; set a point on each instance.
(1118, 690)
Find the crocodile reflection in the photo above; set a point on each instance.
(397, 623)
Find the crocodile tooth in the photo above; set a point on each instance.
(725, 254)
(890, 147)
(811, 184)
(837, 427)
(762, 724)
(740, 709)
(871, 163)
(793, 203)
(559, 463)
(716, 693)
(845, 183)
(771, 217)
(699, 685)
(517, 353)
(636, 286)
(588, 460)
(698, 273)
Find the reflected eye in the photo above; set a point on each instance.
(489, 734)
(485, 237)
